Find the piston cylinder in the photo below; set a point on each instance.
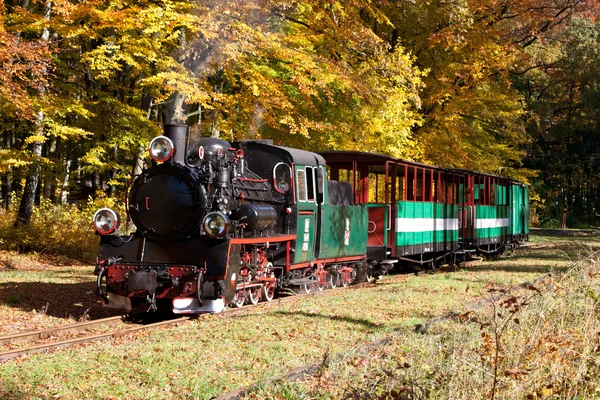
(256, 217)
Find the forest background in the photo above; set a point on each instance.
(510, 87)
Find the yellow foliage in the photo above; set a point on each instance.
(57, 229)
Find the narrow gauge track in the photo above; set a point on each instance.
(33, 336)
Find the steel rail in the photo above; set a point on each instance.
(10, 354)
(31, 336)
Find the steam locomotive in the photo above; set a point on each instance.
(223, 223)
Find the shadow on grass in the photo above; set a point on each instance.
(559, 255)
(593, 233)
(357, 321)
(535, 268)
(59, 300)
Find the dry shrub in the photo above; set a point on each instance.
(545, 341)
(539, 341)
(56, 229)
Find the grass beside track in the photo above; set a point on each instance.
(211, 356)
(39, 292)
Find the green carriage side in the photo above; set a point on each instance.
(425, 227)
(413, 209)
(492, 211)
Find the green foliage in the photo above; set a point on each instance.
(561, 95)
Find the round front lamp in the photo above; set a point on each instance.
(215, 224)
(106, 221)
(161, 148)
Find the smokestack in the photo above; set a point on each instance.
(178, 134)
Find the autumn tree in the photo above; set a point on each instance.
(307, 74)
(561, 84)
(473, 116)
(23, 68)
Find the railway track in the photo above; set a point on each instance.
(78, 328)
(85, 327)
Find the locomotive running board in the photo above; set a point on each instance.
(190, 305)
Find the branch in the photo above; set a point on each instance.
(535, 66)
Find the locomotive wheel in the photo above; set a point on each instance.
(323, 286)
(269, 291)
(305, 289)
(254, 295)
(239, 298)
(333, 280)
(345, 283)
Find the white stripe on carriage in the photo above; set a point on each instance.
(426, 224)
(482, 223)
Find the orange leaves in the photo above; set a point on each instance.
(22, 67)
(515, 373)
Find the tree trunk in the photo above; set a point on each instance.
(113, 173)
(7, 177)
(6, 189)
(64, 190)
(138, 163)
(95, 182)
(49, 175)
(31, 185)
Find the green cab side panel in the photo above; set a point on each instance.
(343, 231)
(305, 239)
(426, 227)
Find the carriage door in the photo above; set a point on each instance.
(376, 195)
(465, 211)
(307, 213)
(471, 212)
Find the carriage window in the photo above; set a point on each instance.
(320, 184)
(310, 183)
(282, 177)
(301, 182)
(376, 188)
(420, 185)
(400, 187)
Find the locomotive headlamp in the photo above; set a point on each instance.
(161, 148)
(215, 224)
(106, 221)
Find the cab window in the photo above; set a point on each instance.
(320, 184)
(301, 182)
(310, 184)
(282, 177)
